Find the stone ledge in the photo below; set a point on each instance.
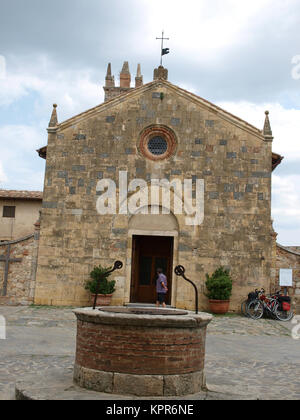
(57, 385)
(139, 385)
(190, 320)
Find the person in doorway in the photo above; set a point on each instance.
(161, 288)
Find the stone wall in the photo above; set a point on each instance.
(232, 157)
(21, 275)
(288, 258)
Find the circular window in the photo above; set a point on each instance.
(157, 145)
(157, 142)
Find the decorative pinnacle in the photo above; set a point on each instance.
(108, 74)
(160, 73)
(53, 120)
(267, 126)
(109, 79)
(139, 77)
(125, 77)
(125, 68)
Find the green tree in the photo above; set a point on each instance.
(219, 285)
(99, 281)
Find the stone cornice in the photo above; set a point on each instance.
(288, 250)
(52, 130)
(225, 115)
(268, 139)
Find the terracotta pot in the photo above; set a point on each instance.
(219, 306)
(102, 300)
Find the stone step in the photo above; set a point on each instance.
(144, 305)
(5, 300)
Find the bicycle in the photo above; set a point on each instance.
(275, 305)
(245, 303)
(283, 310)
(257, 307)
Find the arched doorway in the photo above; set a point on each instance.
(153, 245)
(148, 254)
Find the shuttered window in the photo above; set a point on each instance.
(9, 211)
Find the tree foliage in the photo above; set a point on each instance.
(99, 281)
(219, 285)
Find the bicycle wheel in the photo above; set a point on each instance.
(244, 307)
(255, 309)
(283, 315)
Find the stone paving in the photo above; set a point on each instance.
(240, 325)
(244, 357)
(258, 358)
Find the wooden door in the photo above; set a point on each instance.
(150, 253)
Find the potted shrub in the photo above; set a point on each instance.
(99, 283)
(219, 287)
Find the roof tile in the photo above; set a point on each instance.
(26, 195)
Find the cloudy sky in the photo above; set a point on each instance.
(241, 55)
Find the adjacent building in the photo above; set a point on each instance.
(19, 210)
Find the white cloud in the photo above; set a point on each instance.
(286, 197)
(285, 124)
(296, 67)
(3, 177)
(74, 91)
(19, 139)
(13, 88)
(20, 166)
(286, 208)
(197, 26)
(2, 67)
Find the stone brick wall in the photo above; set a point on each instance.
(288, 258)
(231, 156)
(21, 275)
(142, 350)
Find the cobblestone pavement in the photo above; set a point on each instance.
(240, 325)
(253, 357)
(243, 356)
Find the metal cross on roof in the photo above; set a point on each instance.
(163, 50)
(6, 258)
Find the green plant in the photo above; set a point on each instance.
(99, 283)
(219, 285)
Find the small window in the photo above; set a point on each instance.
(157, 142)
(9, 211)
(157, 145)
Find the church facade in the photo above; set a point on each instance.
(106, 196)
